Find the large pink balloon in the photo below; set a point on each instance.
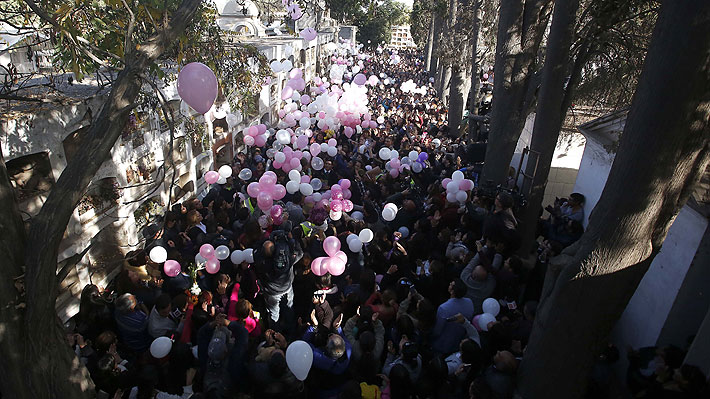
(445, 182)
(331, 245)
(308, 34)
(261, 128)
(279, 192)
(212, 266)
(287, 93)
(171, 267)
(253, 189)
(317, 266)
(335, 266)
(344, 183)
(211, 177)
(197, 86)
(207, 251)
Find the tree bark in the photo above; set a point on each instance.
(549, 114)
(475, 79)
(521, 26)
(430, 42)
(49, 367)
(664, 149)
(436, 44)
(458, 94)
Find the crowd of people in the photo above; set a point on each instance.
(403, 319)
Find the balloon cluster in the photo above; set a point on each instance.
(219, 177)
(266, 191)
(456, 187)
(212, 256)
(238, 256)
(491, 308)
(414, 161)
(334, 263)
(287, 159)
(411, 87)
(356, 241)
(256, 135)
(389, 212)
(340, 199)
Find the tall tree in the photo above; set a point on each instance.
(521, 27)
(664, 149)
(576, 40)
(37, 362)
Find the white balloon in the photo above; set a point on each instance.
(221, 180)
(225, 171)
(158, 254)
(394, 154)
(380, 119)
(317, 196)
(306, 189)
(283, 137)
(451, 197)
(249, 255)
(388, 214)
(299, 358)
(317, 163)
(461, 196)
(417, 167)
(384, 153)
(287, 65)
(336, 215)
(491, 305)
(452, 187)
(292, 186)
(332, 151)
(200, 260)
(457, 176)
(305, 122)
(294, 176)
(484, 319)
(357, 215)
(413, 155)
(436, 143)
(316, 183)
(160, 347)
(324, 147)
(237, 257)
(280, 157)
(355, 245)
(351, 237)
(222, 252)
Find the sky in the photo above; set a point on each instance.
(407, 2)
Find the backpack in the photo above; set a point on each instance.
(282, 251)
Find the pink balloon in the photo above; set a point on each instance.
(445, 182)
(305, 99)
(261, 128)
(317, 266)
(207, 251)
(335, 266)
(336, 206)
(278, 192)
(281, 113)
(265, 205)
(171, 267)
(260, 141)
(336, 188)
(249, 140)
(347, 205)
(344, 183)
(315, 149)
(332, 142)
(466, 185)
(347, 194)
(373, 124)
(295, 73)
(310, 200)
(342, 256)
(308, 34)
(253, 189)
(305, 179)
(212, 266)
(294, 163)
(302, 141)
(253, 130)
(197, 86)
(277, 165)
(267, 180)
(287, 93)
(298, 154)
(276, 211)
(211, 177)
(331, 245)
(475, 322)
(394, 172)
(360, 79)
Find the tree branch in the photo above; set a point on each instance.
(70, 262)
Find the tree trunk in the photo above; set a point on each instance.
(458, 92)
(436, 43)
(549, 114)
(430, 42)
(521, 26)
(664, 149)
(49, 366)
(475, 79)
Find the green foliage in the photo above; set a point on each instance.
(420, 21)
(375, 23)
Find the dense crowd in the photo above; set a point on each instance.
(404, 320)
